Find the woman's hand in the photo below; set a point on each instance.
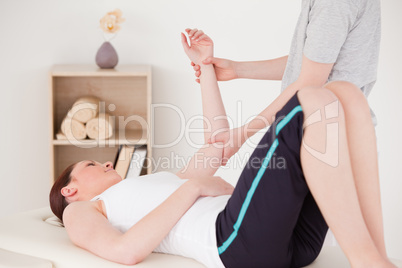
(212, 186)
(201, 46)
(225, 70)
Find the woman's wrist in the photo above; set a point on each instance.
(207, 70)
(201, 58)
(205, 66)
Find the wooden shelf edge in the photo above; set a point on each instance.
(95, 143)
(93, 70)
(132, 137)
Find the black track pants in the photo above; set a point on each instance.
(272, 220)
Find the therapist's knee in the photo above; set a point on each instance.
(349, 94)
(313, 98)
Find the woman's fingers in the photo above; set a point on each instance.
(197, 35)
(201, 37)
(191, 32)
(196, 67)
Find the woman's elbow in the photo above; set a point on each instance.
(128, 255)
(130, 259)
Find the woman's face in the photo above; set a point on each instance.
(91, 178)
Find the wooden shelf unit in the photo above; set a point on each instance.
(126, 95)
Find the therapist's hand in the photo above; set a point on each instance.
(225, 70)
(232, 140)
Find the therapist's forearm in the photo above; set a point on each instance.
(267, 116)
(264, 70)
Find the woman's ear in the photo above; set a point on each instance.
(69, 193)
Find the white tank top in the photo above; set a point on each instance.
(194, 234)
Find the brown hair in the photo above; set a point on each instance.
(57, 201)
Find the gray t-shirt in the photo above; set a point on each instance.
(344, 32)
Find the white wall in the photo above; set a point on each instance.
(37, 34)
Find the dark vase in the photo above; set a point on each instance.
(106, 57)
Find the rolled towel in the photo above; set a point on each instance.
(84, 109)
(73, 129)
(61, 136)
(100, 127)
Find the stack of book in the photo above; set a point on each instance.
(130, 160)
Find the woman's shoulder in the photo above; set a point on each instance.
(78, 208)
(83, 220)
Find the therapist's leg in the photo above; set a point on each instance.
(327, 168)
(256, 227)
(363, 155)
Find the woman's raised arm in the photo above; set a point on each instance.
(208, 159)
(200, 48)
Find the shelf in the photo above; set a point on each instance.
(93, 70)
(131, 137)
(125, 93)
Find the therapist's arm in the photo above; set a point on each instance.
(228, 70)
(265, 70)
(312, 74)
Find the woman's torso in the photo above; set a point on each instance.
(193, 236)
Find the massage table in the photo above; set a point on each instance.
(35, 239)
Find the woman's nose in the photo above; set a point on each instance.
(108, 164)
